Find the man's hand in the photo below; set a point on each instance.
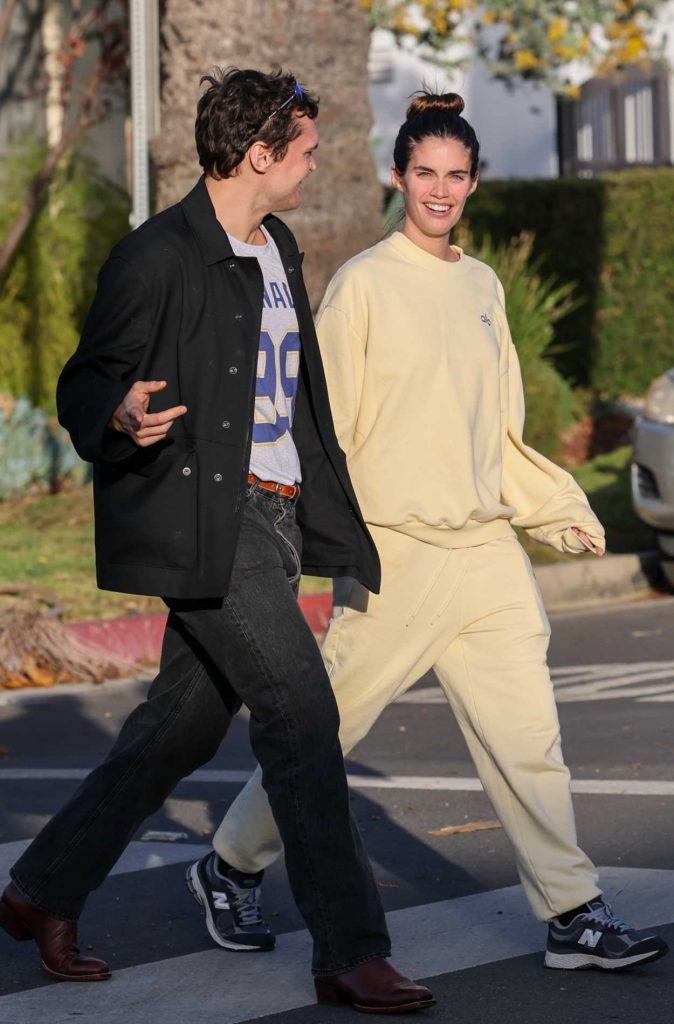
(132, 418)
(582, 536)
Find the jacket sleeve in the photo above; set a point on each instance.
(343, 355)
(100, 373)
(547, 500)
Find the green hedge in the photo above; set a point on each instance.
(45, 294)
(612, 236)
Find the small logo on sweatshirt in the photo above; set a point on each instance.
(485, 320)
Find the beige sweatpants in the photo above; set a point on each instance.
(475, 616)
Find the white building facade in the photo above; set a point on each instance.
(619, 122)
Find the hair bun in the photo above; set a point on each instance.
(445, 103)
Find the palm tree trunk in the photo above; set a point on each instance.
(325, 44)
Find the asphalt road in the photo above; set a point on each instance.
(457, 915)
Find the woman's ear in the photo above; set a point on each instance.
(396, 180)
(476, 182)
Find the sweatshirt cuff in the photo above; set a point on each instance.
(571, 544)
(562, 537)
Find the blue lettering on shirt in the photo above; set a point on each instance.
(278, 296)
(284, 364)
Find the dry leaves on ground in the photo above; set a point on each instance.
(36, 650)
(470, 826)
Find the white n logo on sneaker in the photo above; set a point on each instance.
(220, 900)
(589, 938)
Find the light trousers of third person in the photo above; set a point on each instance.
(475, 616)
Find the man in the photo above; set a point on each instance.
(196, 500)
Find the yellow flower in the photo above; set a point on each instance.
(526, 60)
(621, 29)
(401, 26)
(633, 49)
(557, 29)
(489, 17)
(565, 53)
(572, 92)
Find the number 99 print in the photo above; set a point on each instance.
(276, 388)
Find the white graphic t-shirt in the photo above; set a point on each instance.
(273, 454)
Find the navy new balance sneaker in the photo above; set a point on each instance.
(231, 902)
(597, 938)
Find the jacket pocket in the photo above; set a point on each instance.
(146, 514)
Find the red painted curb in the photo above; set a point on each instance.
(139, 637)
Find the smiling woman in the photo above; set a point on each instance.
(427, 402)
(436, 168)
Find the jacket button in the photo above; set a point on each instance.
(233, 370)
(232, 265)
(186, 470)
(226, 424)
(218, 478)
(238, 316)
(291, 270)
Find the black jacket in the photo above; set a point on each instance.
(174, 303)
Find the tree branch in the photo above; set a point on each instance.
(90, 110)
(5, 21)
(84, 120)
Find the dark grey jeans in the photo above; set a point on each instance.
(255, 647)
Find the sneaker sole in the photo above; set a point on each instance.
(584, 961)
(196, 890)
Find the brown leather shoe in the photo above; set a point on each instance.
(55, 939)
(374, 987)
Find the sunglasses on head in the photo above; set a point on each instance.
(296, 94)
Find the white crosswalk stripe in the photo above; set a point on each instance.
(429, 940)
(379, 780)
(138, 856)
(645, 682)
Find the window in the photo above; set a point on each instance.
(619, 122)
(639, 140)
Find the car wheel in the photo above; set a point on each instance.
(666, 545)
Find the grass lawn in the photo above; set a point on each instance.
(46, 542)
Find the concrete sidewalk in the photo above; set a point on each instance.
(588, 581)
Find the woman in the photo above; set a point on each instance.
(427, 399)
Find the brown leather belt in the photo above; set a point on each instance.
(291, 491)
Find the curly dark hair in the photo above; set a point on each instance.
(240, 107)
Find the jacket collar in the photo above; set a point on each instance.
(212, 238)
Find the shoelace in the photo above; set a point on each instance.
(246, 906)
(604, 916)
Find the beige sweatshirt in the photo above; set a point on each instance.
(426, 394)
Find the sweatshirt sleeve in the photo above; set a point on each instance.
(99, 374)
(343, 355)
(547, 500)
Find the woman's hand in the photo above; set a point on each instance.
(583, 537)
